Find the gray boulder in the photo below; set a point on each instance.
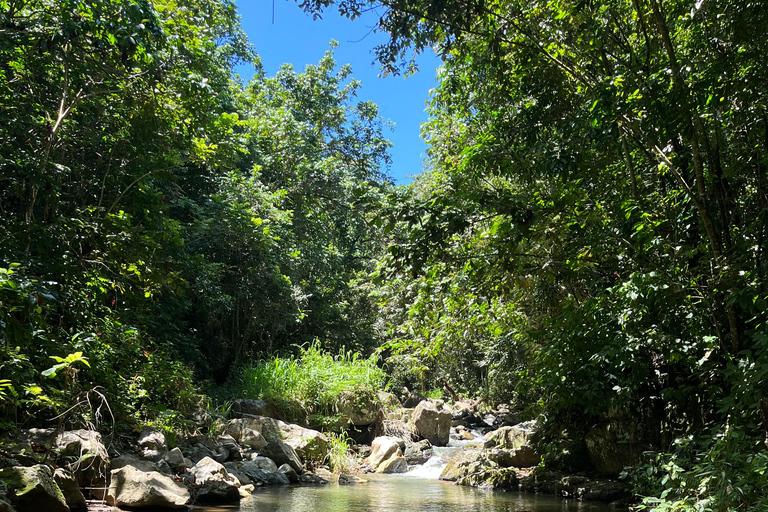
(152, 455)
(418, 453)
(358, 409)
(383, 448)
(261, 476)
(282, 453)
(395, 464)
(176, 461)
(86, 457)
(131, 487)
(228, 446)
(311, 478)
(152, 439)
(214, 483)
(257, 431)
(473, 468)
(513, 446)
(198, 452)
(139, 464)
(433, 422)
(289, 472)
(411, 399)
(456, 466)
(33, 489)
(264, 463)
(69, 488)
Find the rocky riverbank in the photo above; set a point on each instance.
(43, 470)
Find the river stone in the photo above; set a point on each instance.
(412, 398)
(388, 400)
(433, 422)
(152, 439)
(456, 466)
(395, 464)
(136, 463)
(241, 477)
(309, 444)
(358, 409)
(485, 475)
(257, 431)
(227, 446)
(282, 453)
(514, 445)
(418, 453)
(382, 448)
(175, 460)
(198, 452)
(289, 472)
(262, 477)
(312, 478)
(33, 489)
(88, 459)
(252, 439)
(215, 484)
(69, 488)
(264, 463)
(131, 487)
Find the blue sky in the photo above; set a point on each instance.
(295, 38)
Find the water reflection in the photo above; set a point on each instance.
(388, 493)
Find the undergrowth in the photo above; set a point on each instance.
(339, 453)
(316, 379)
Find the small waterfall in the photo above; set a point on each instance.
(432, 469)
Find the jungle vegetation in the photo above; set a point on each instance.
(587, 240)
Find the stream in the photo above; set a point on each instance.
(418, 490)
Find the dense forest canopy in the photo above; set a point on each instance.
(587, 241)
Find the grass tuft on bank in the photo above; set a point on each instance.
(316, 379)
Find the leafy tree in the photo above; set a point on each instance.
(613, 154)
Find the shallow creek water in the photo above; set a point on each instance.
(419, 490)
(396, 493)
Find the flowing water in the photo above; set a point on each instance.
(419, 490)
(401, 493)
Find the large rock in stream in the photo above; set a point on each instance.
(86, 457)
(283, 453)
(214, 483)
(382, 449)
(433, 422)
(512, 446)
(33, 489)
(69, 488)
(131, 487)
(258, 431)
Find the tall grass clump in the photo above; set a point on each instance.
(317, 379)
(340, 458)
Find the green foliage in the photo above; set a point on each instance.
(65, 364)
(434, 394)
(316, 379)
(598, 172)
(340, 457)
(726, 472)
(169, 221)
